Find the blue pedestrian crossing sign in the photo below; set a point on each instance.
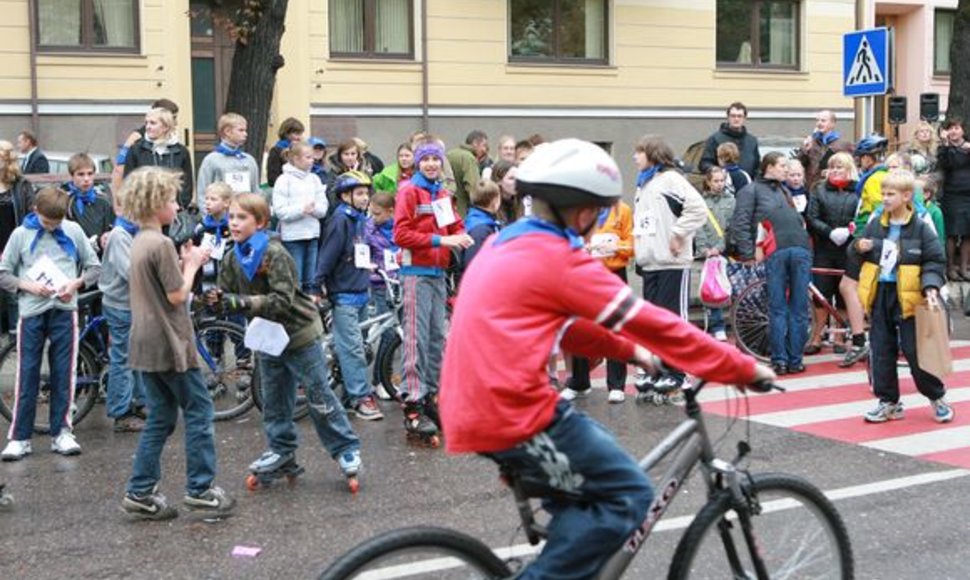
(865, 63)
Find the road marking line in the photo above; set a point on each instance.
(678, 523)
(923, 443)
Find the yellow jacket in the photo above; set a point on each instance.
(921, 262)
(620, 223)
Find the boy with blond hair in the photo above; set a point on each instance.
(228, 162)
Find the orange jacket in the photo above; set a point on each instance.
(620, 223)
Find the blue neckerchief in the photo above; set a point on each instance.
(356, 215)
(424, 183)
(250, 253)
(647, 174)
(534, 225)
(865, 177)
(130, 227)
(320, 171)
(601, 218)
(796, 190)
(478, 217)
(81, 198)
(210, 223)
(32, 222)
(386, 229)
(731, 167)
(283, 144)
(826, 138)
(225, 149)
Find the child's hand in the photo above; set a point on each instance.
(36, 288)
(310, 208)
(213, 296)
(194, 255)
(676, 245)
(863, 245)
(67, 291)
(457, 241)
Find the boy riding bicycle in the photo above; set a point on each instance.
(496, 398)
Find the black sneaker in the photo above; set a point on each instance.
(151, 506)
(855, 354)
(214, 500)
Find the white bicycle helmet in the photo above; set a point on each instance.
(570, 172)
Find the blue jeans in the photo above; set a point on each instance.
(788, 274)
(125, 388)
(60, 328)
(280, 376)
(715, 319)
(167, 393)
(577, 454)
(349, 344)
(304, 253)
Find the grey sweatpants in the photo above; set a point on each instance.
(424, 334)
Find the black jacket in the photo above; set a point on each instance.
(335, 264)
(37, 163)
(747, 146)
(830, 208)
(955, 164)
(98, 217)
(142, 154)
(274, 165)
(766, 200)
(22, 194)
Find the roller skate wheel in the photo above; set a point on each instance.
(252, 482)
(353, 484)
(434, 441)
(291, 478)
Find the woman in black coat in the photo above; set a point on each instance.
(953, 160)
(160, 148)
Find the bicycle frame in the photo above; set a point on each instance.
(692, 445)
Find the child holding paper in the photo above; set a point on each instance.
(213, 232)
(47, 260)
(258, 279)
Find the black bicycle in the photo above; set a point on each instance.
(763, 526)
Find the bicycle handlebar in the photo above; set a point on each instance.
(762, 386)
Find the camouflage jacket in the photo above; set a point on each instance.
(274, 294)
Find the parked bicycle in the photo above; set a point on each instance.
(749, 316)
(761, 526)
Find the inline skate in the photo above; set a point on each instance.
(270, 467)
(421, 428)
(350, 465)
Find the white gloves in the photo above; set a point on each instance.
(839, 236)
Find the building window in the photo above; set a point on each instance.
(74, 25)
(758, 33)
(565, 31)
(371, 28)
(942, 39)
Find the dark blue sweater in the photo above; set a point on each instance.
(335, 265)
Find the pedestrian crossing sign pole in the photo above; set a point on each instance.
(866, 63)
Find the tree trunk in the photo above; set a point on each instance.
(253, 75)
(959, 103)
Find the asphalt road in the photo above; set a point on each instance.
(67, 521)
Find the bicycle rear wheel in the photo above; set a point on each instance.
(795, 529)
(390, 365)
(750, 317)
(419, 552)
(227, 367)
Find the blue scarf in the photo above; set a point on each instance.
(601, 218)
(32, 222)
(796, 190)
(731, 167)
(283, 144)
(860, 185)
(250, 253)
(479, 217)
(534, 225)
(826, 138)
(648, 174)
(130, 227)
(225, 149)
(210, 223)
(386, 229)
(81, 198)
(424, 183)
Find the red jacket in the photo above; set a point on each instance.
(417, 233)
(527, 288)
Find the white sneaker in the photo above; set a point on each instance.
(571, 395)
(66, 444)
(720, 335)
(616, 396)
(16, 450)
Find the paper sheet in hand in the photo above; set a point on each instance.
(266, 336)
(218, 250)
(47, 273)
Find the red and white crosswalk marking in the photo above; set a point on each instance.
(829, 402)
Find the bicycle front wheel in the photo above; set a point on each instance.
(419, 552)
(227, 367)
(796, 532)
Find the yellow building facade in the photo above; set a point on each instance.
(605, 70)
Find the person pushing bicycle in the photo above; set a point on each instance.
(496, 398)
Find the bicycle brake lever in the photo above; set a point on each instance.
(765, 386)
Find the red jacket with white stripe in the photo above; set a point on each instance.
(418, 234)
(527, 288)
